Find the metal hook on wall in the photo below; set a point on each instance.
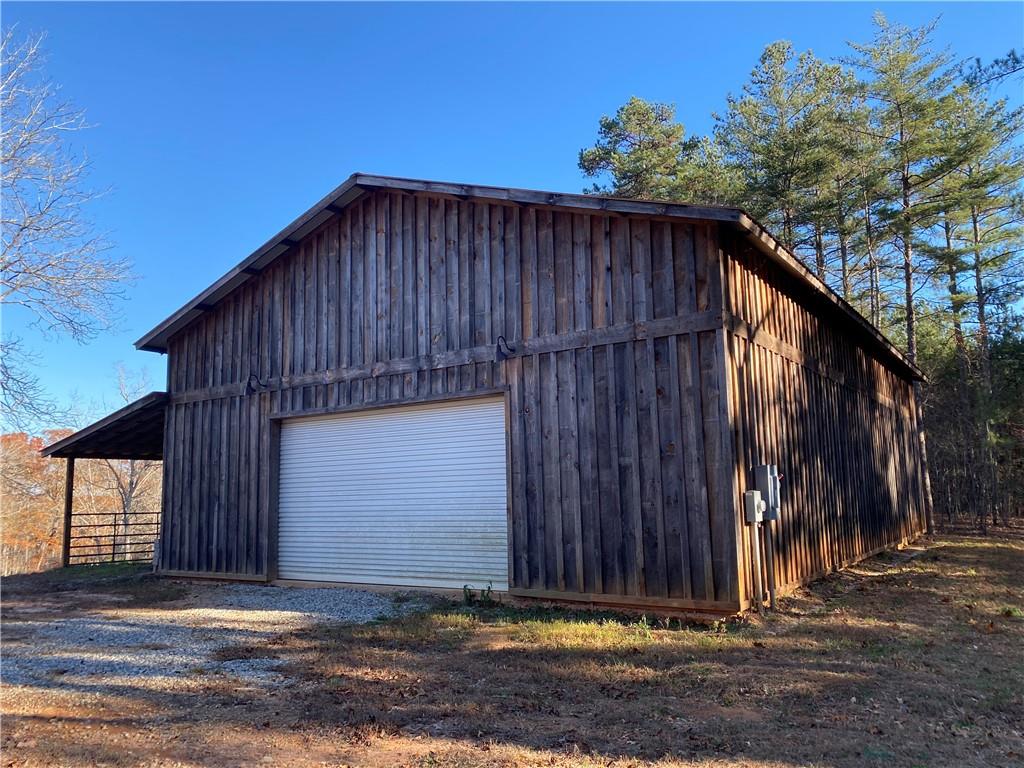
(254, 384)
(503, 350)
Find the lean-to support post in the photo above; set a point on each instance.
(69, 494)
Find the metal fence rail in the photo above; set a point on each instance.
(111, 537)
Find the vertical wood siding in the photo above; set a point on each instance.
(619, 481)
(839, 423)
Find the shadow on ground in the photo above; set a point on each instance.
(900, 661)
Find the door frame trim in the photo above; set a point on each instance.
(448, 397)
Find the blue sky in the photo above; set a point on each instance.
(217, 124)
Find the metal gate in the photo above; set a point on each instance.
(111, 537)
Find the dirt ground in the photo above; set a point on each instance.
(910, 659)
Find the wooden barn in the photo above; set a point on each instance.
(561, 396)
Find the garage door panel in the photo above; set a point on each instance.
(413, 495)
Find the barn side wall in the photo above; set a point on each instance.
(839, 423)
(618, 484)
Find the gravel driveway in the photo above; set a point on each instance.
(214, 629)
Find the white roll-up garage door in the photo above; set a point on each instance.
(409, 496)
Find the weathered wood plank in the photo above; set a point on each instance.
(528, 239)
(423, 287)
(545, 275)
(600, 271)
(463, 379)
(457, 282)
(699, 527)
(590, 510)
(651, 500)
(568, 460)
(438, 285)
(554, 531)
(640, 256)
(563, 268)
(629, 472)
(513, 276)
(519, 521)
(539, 566)
(669, 410)
(607, 446)
(481, 308)
(394, 319)
(663, 271)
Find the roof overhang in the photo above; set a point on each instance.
(762, 239)
(133, 432)
(358, 183)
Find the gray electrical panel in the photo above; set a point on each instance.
(766, 480)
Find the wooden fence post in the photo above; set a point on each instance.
(69, 493)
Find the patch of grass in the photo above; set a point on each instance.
(134, 581)
(549, 627)
(99, 571)
(463, 758)
(443, 627)
(147, 589)
(836, 644)
(877, 753)
(1012, 612)
(699, 671)
(503, 614)
(75, 576)
(599, 635)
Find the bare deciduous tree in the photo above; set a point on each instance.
(54, 264)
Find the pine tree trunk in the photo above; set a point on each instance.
(819, 253)
(958, 331)
(966, 421)
(844, 247)
(983, 340)
(844, 259)
(988, 472)
(873, 289)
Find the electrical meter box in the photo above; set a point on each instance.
(754, 506)
(766, 480)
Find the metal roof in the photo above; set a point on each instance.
(358, 183)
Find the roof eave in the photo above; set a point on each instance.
(156, 340)
(63, 448)
(767, 244)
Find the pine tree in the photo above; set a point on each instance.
(705, 177)
(986, 237)
(851, 156)
(774, 134)
(647, 155)
(639, 147)
(991, 176)
(908, 86)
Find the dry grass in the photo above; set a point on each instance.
(900, 661)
